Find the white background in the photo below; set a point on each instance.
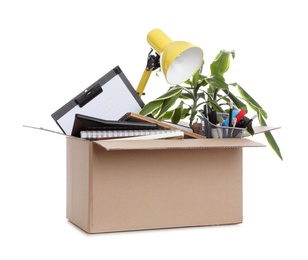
(52, 50)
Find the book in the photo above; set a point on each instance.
(83, 123)
(159, 136)
(134, 117)
(115, 134)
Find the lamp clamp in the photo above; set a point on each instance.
(153, 62)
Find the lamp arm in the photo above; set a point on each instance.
(143, 81)
(152, 64)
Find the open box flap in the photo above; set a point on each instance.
(260, 129)
(44, 129)
(111, 145)
(116, 144)
(257, 130)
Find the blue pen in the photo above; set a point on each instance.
(226, 121)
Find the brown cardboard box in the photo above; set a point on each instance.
(136, 185)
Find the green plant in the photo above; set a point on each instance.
(187, 101)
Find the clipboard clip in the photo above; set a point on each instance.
(88, 94)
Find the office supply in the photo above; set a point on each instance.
(134, 117)
(241, 123)
(206, 110)
(227, 120)
(230, 115)
(83, 123)
(219, 131)
(205, 127)
(179, 60)
(250, 120)
(115, 134)
(240, 115)
(108, 98)
(157, 136)
(213, 117)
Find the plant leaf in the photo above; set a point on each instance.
(168, 103)
(177, 115)
(216, 106)
(195, 78)
(217, 82)
(201, 95)
(168, 115)
(158, 102)
(151, 107)
(170, 93)
(270, 138)
(185, 113)
(156, 111)
(188, 95)
(236, 101)
(251, 102)
(250, 129)
(221, 63)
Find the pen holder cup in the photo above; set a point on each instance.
(217, 131)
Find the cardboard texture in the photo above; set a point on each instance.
(121, 185)
(136, 185)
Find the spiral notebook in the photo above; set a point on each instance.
(131, 134)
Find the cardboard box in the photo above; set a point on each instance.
(136, 185)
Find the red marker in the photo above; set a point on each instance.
(240, 115)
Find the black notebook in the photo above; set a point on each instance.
(87, 123)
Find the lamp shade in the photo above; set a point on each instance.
(179, 59)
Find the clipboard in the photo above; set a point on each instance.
(108, 98)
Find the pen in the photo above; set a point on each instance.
(241, 124)
(250, 120)
(206, 110)
(230, 114)
(205, 121)
(240, 115)
(227, 120)
(213, 117)
(234, 121)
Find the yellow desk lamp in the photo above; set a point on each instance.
(179, 60)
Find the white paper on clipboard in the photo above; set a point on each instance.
(115, 98)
